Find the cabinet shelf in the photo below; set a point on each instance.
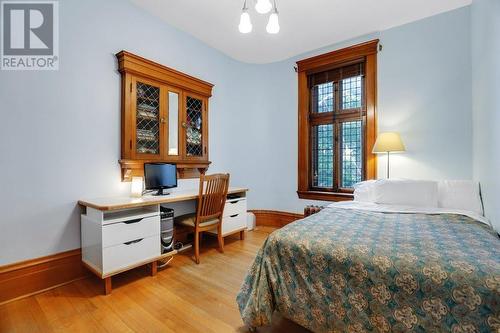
(140, 116)
(147, 139)
(145, 110)
(146, 98)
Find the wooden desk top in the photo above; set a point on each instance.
(114, 203)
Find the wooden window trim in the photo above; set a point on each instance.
(365, 51)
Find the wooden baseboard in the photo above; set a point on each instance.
(36, 275)
(274, 218)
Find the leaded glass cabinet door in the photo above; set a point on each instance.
(195, 127)
(148, 105)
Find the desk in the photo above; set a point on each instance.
(114, 203)
(121, 233)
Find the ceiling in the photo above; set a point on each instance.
(305, 24)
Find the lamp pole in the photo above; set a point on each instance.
(388, 165)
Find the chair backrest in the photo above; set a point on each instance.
(212, 196)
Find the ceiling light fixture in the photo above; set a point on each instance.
(262, 7)
(273, 26)
(245, 26)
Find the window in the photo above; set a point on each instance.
(336, 121)
(337, 129)
(322, 152)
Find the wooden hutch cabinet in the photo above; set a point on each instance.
(164, 117)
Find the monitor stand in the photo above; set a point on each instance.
(160, 192)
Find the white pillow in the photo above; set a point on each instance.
(421, 193)
(363, 191)
(460, 194)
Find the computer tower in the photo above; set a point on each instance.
(167, 229)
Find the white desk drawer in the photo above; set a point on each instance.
(127, 254)
(235, 206)
(121, 232)
(233, 222)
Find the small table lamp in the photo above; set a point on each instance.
(136, 187)
(388, 142)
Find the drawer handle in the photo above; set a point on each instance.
(233, 202)
(133, 242)
(133, 221)
(234, 215)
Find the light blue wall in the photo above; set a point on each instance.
(424, 92)
(485, 16)
(60, 131)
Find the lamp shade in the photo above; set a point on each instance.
(388, 142)
(136, 187)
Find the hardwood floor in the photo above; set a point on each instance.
(183, 297)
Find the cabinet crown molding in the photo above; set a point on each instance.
(137, 65)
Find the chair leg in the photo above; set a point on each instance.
(197, 247)
(220, 239)
(201, 237)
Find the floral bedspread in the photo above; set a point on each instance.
(344, 270)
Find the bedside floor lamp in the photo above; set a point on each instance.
(388, 142)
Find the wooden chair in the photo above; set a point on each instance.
(208, 216)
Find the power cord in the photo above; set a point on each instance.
(166, 262)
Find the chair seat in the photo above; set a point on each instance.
(189, 219)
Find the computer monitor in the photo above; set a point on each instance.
(160, 176)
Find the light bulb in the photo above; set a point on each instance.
(245, 23)
(263, 6)
(273, 26)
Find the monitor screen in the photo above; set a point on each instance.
(159, 176)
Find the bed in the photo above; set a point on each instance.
(361, 267)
